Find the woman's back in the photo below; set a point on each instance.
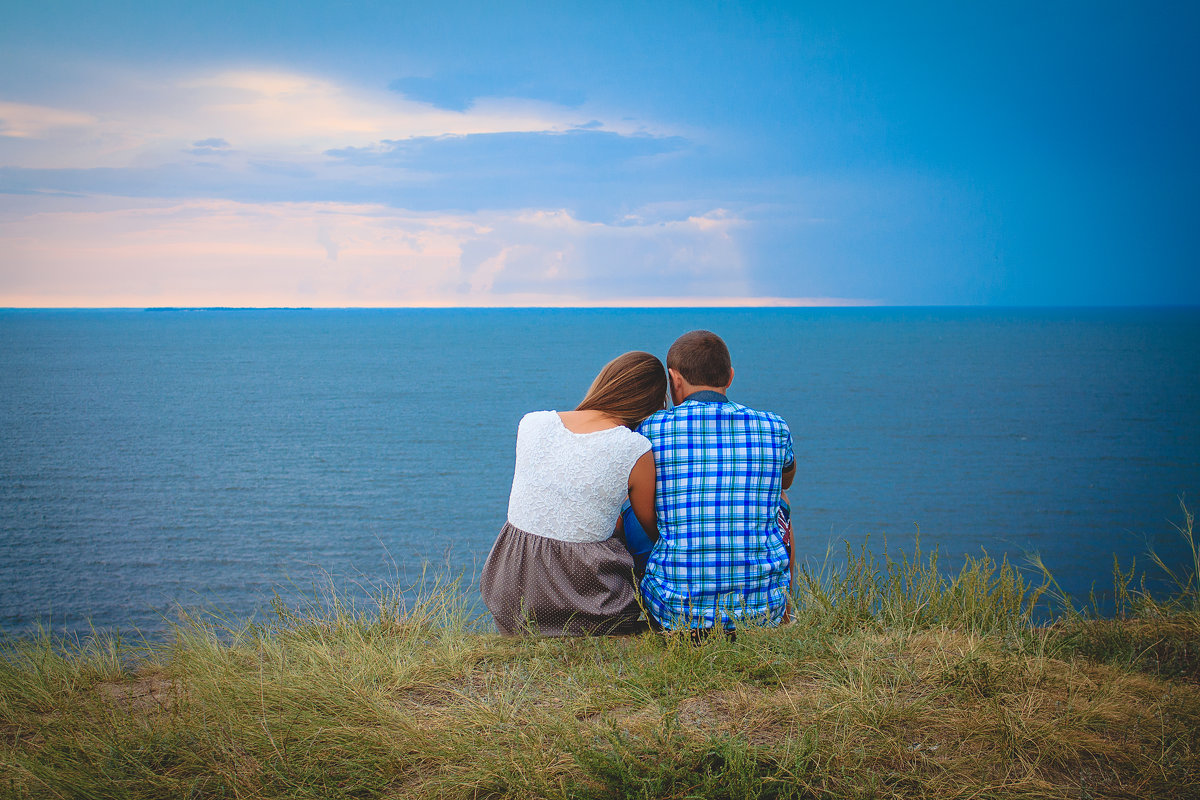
(570, 486)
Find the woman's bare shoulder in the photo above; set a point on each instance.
(586, 421)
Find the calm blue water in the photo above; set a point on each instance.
(155, 459)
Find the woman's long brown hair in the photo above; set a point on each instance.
(630, 388)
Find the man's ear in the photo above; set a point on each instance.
(675, 384)
(730, 379)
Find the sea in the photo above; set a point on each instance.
(158, 462)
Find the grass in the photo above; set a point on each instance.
(894, 681)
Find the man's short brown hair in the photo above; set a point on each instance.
(702, 358)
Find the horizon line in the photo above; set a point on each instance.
(603, 306)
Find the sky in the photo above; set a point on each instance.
(613, 154)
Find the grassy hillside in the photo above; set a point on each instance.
(892, 682)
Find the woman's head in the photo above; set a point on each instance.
(630, 388)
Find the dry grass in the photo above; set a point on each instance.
(894, 682)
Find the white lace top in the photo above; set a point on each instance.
(570, 486)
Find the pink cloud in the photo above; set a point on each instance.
(105, 252)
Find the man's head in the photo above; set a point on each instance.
(698, 360)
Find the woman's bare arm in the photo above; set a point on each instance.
(641, 495)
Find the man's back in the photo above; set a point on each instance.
(720, 555)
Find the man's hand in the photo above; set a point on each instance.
(789, 472)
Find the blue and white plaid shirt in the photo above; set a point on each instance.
(720, 555)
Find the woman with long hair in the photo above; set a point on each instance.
(557, 569)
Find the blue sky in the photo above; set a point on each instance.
(391, 154)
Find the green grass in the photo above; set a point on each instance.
(893, 681)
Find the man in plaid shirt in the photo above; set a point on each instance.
(721, 470)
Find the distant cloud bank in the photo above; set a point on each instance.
(64, 251)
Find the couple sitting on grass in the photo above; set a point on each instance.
(702, 541)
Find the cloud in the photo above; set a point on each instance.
(576, 150)
(459, 91)
(302, 138)
(112, 252)
(272, 115)
(210, 147)
(343, 195)
(19, 121)
(596, 173)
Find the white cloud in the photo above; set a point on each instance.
(107, 252)
(261, 114)
(21, 121)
